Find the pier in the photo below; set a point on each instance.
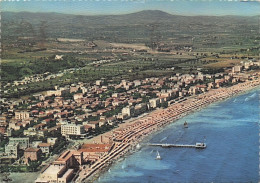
(197, 145)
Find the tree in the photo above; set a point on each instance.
(33, 165)
(164, 105)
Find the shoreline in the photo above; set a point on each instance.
(138, 129)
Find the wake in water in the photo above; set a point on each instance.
(163, 139)
(176, 172)
(250, 97)
(181, 135)
(253, 95)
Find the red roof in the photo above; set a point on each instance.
(201, 86)
(95, 147)
(30, 149)
(2, 130)
(47, 120)
(44, 145)
(87, 127)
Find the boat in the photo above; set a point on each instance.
(158, 157)
(185, 124)
(201, 145)
(138, 146)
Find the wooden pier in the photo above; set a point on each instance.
(197, 145)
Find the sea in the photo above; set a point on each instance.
(230, 130)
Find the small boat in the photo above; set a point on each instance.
(185, 124)
(158, 157)
(138, 146)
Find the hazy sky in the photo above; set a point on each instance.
(97, 7)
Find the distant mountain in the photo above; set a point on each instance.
(138, 17)
(133, 25)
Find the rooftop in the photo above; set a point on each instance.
(53, 169)
(95, 147)
(44, 145)
(30, 149)
(65, 156)
(67, 173)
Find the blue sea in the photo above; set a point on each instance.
(230, 130)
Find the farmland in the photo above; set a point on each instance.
(137, 45)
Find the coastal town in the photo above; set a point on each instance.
(129, 91)
(74, 132)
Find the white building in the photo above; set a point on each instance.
(154, 102)
(45, 147)
(58, 57)
(137, 82)
(98, 82)
(11, 150)
(129, 111)
(236, 68)
(52, 141)
(72, 129)
(22, 115)
(23, 142)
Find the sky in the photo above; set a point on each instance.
(104, 7)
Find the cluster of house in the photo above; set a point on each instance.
(52, 112)
(23, 149)
(37, 77)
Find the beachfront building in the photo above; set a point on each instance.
(193, 90)
(92, 152)
(140, 108)
(129, 111)
(62, 169)
(154, 102)
(72, 129)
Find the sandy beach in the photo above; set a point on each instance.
(129, 134)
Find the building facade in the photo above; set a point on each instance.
(22, 115)
(32, 154)
(129, 111)
(72, 129)
(45, 147)
(11, 150)
(23, 142)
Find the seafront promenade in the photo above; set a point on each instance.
(127, 137)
